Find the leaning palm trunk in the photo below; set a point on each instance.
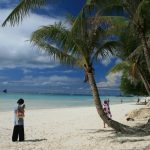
(144, 80)
(146, 49)
(111, 123)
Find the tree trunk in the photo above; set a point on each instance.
(144, 80)
(146, 49)
(118, 127)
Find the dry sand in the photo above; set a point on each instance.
(71, 129)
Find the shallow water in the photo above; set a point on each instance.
(46, 101)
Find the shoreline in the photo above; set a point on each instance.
(8, 102)
(70, 107)
(70, 128)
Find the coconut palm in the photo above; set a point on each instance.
(80, 48)
(137, 13)
(139, 16)
(133, 62)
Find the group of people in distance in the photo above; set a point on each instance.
(139, 102)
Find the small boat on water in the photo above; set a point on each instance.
(5, 90)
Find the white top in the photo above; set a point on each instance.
(17, 121)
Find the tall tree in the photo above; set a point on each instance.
(80, 48)
(136, 12)
(133, 62)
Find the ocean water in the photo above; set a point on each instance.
(49, 101)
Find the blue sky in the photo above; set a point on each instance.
(25, 68)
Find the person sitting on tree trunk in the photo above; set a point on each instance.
(106, 109)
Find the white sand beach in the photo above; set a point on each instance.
(71, 129)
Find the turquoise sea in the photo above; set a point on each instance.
(48, 101)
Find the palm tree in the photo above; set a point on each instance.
(133, 62)
(139, 16)
(80, 48)
(135, 11)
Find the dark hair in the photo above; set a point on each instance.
(20, 101)
(105, 102)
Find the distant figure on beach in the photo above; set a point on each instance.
(145, 102)
(108, 101)
(106, 109)
(138, 101)
(121, 101)
(18, 130)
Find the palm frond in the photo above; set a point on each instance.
(108, 7)
(119, 67)
(117, 25)
(105, 49)
(133, 71)
(57, 53)
(62, 38)
(21, 10)
(136, 53)
(70, 18)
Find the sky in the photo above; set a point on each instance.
(24, 68)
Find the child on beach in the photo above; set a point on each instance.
(18, 130)
(106, 110)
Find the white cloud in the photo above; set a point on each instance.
(69, 71)
(6, 2)
(5, 83)
(53, 80)
(111, 80)
(118, 61)
(15, 50)
(26, 71)
(107, 60)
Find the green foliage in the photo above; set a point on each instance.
(130, 52)
(52, 39)
(120, 67)
(74, 48)
(22, 10)
(129, 88)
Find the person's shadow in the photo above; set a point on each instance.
(35, 140)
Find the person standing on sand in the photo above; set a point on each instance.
(121, 101)
(138, 101)
(18, 130)
(108, 101)
(106, 110)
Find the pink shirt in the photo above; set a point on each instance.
(107, 110)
